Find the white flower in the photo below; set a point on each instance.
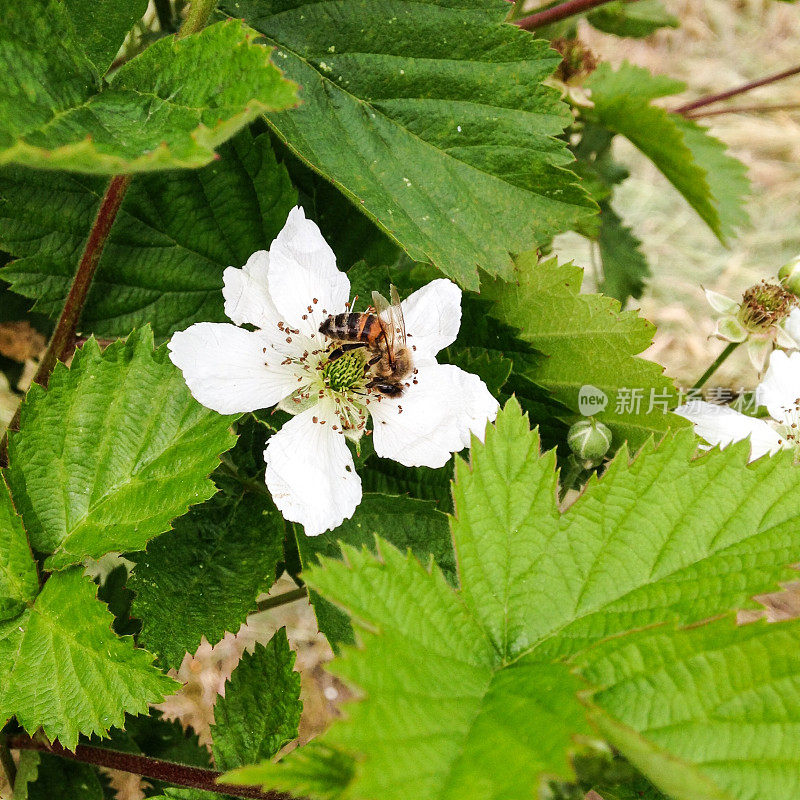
(779, 392)
(767, 317)
(286, 294)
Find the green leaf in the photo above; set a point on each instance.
(726, 176)
(729, 728)
(59, 777)
(625, 268)
(426, 121)
(712, 182)
(261, 708)
(408, 523)
(174, 235)
(207, 573)
(19, 583)
(102, 26)
(64, 670)
(314, 771)
(126, 444)
(159, 110)
(584, 340)
(491, 366)
(635, 18)
(484, 692)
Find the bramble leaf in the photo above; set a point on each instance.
(129, 448)
(19, 583)
(408, 523)
(638, 18)
(64, 670)
(158, 111)
(427, 121)
(625, 268)
(102, 26)
(174, 235)
(559, 622)
(712, 182)
(584, 340)
(207, 573)
(261, 708)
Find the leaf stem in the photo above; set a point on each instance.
(152, 768)
(7, 765)
(283, 599)
(716, 365)
(745, 87)
(756, 108)
(557, 13)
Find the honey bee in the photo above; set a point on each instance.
(383, 333)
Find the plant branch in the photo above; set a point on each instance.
(716, 365)
(745, 87)
(557, 13)
(755, 108)
(164, 14)
(63, 339)
(283, 599)
(153, 768)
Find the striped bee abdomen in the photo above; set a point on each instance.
(352, 327)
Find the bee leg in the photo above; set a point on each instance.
(372, 362)
(345, 348)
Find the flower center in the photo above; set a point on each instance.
(765, 304)
(346, 372)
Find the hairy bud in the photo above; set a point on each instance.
(590, 440)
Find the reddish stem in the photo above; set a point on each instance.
(745, 87)
(153, 768)
(63, 340)
(756, 108)
(557, 13)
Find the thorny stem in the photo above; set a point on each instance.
(756, 108)
(7, 764)
(63, 339)
(153, 768)
(283, 599)
(745, 87)
(716, 365)
(557, 13)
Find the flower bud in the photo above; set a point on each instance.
(589, 439)
(790, 275)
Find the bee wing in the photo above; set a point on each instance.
(383, 308)
(396, 312)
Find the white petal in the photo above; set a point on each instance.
(432, 316)
(758, 350)
(722, 425)
(303, 275)
(310, 472)
(721, 303)
(780, 389)
(438, 414)
(791, 325)
(229, 369)
(246, 293)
